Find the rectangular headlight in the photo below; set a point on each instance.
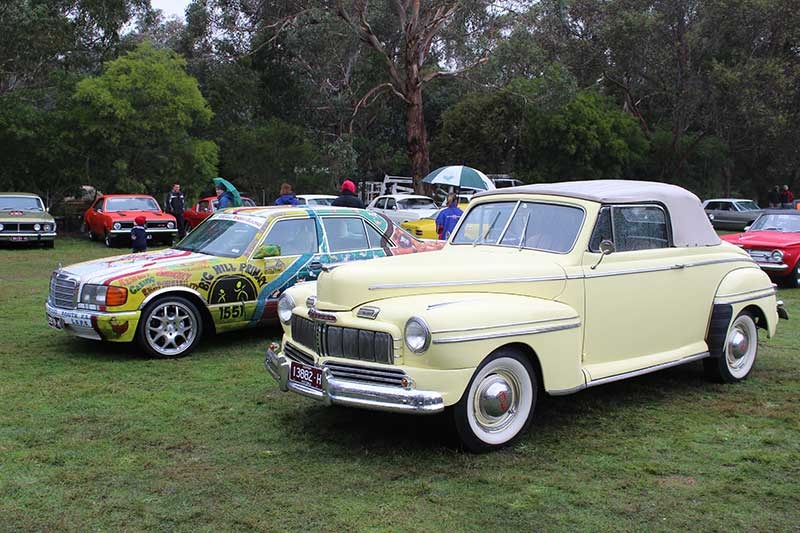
(94, 294)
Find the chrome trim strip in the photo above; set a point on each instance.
(564, 392)
(508, 324)
(515, 333)
(445, 304)
(661, 268)
(464, 282)
(773, 266)
(12, 234)
(647, 370)
(747, 298)
(734, 294)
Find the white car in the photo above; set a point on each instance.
(315, 199)
(404, 207)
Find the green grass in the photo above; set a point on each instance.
(96, 436)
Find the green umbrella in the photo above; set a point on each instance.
(459, 176)
(228, 186)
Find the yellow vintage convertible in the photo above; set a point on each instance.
(425, 228)
(542, 288)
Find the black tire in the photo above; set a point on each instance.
(162, 327)
(109, 241)
(48, 244)
(793, 279)
(738, 353)
(485, 419)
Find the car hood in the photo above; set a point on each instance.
(20, 215)
(131, 214)
(455, 268)
(764, 239)
(108, 269)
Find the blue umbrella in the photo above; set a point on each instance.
(459, 176)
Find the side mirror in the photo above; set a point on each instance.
(267, 250)
(99, 209)
(747, 228)
(607, 247)
(394, 208)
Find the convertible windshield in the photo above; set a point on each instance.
(220, 237)
(788, 223)
(132, 204)
(747, 205)
(532, 225)
(417, 203)
(23, 203)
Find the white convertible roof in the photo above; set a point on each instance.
(690, 224)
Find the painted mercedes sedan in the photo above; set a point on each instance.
(227, 274)
(112, 216)
(24, 219)
(547, 288)
(773, 241)
(203, 209)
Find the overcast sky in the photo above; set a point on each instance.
(171, 7)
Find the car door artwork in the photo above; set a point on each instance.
(225, 275)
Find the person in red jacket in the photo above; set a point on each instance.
(787, 198)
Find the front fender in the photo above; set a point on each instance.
(467, 327)
(749, 287)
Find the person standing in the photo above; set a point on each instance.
(348, 196)
(787, 198)
(176, 203)
(447, 218)
(774, 197)
(224, 197)
(287, 197)
(139, 235)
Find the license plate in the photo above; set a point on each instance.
(18, 238)
(55, 322)
(310, 376)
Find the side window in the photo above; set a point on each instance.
(639, 228)
(602, 230)
(214, 205)
(725, 206)
(98, 204)
(712, 206)
(295, 236)
(391, 203)
(381, 203)
(345, 234)
(376, 240)
(203, 206)
(301, 201)
(247, 202)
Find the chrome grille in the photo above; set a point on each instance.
(327, 340)
(762, 256)
(365, 374)
(63, 291)
(155, 225)
(295, 354)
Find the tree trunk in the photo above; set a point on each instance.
(417, 140)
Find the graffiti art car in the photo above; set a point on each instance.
(227, 274)
(773, 241)
(23, 218)
(542, 288)
(204, 208)
(425, 228)
(112, 216)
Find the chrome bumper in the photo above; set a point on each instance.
(28, 236)
(127, 231)
(782, 311)
(773, 266)
(354, 393)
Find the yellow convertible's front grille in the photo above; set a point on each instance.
(327, 340)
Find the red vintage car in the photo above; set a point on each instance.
(203, 209)
(773, 241)
(111, 218)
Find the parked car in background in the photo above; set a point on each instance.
(543, 288)
(24, 218)
(404, 207)
(731, 213)
(315, 199)
(204, 208)
(425, 228)
(773, 241)
(112, 216)
(227, 274)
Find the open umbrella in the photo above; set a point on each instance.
(459, 176)
(228, 186)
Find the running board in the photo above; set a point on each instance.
(631, 374)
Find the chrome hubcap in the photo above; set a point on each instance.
(171, 328)
(740, 347)
(497, 400)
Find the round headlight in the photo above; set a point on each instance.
(1, 227)
(37, 227)
(117, 225)
(417, 335)
(285, 308)
(170, 225)
(47, 227)
(777, 256)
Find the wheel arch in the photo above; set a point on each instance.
(191, 295)
(530, 354)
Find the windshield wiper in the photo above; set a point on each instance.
(489, 229)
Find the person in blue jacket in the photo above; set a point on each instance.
(139, 235)
(287, 197)
(447, 218)
(224, 197)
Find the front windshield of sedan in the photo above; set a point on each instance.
(531, 225)
(131, 204)
(417, 203)
(747, 205)
(220, 237)
(788, 223)
(23, 203)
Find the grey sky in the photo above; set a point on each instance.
(171, 7)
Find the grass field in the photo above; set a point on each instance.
(96, 436)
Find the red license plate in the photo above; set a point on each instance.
(310, 376)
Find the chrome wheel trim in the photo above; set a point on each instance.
(495, 419)
(170, 328)
(741, 346)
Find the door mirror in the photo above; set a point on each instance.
(267, 250)
(394, 208)
(606, 247)
(747, 228)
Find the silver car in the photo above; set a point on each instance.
(731, 213)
